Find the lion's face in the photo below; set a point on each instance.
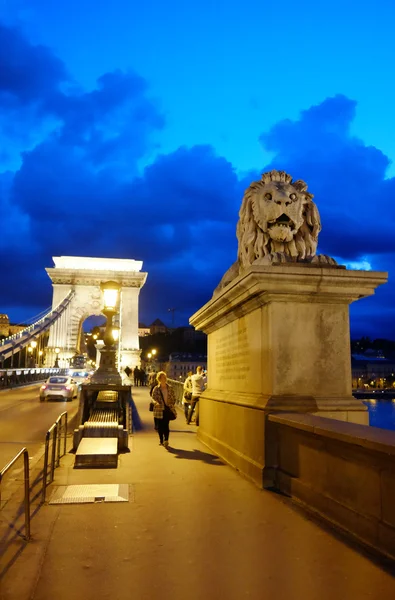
(278, 210)
(277, 217)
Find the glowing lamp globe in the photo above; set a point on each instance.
(110, 291)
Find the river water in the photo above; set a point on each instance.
(381, 413)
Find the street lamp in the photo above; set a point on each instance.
(33, 344)
(107, 372)
(56, 365)
(30, 353)
(151, 358)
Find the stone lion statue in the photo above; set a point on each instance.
(278, 223)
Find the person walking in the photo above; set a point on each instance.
(187, 397)
(164, 404)
(198, 387)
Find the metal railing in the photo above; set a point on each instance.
(51, 433)
(10, 378)
(25, 454)
(54, 433)
(61, 422)
(178, 387)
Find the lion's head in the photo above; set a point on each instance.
(277, 216)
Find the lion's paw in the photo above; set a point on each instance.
(323, 259)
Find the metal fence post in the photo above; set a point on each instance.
(58, 440)
(54, 452)
(47, 436)
(65, 434)
(27, 496)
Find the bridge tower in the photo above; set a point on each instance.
(84, 276)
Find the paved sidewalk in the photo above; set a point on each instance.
(194, 530)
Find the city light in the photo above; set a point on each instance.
(110, 291)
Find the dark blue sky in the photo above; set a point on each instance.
(163, 112)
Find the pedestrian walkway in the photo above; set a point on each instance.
(193, 529)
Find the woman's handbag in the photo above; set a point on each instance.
(151, 406)
(188, 395)
(169, 413)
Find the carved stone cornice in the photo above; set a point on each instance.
(95, 278)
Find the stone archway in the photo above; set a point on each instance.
(83, 276)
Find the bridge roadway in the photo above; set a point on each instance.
(193, 529)
(24, 420)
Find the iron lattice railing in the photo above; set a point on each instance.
(10, 378)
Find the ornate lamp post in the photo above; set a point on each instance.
(30, 354)
(40, 358)
(153, 352)
(56, 365)
(107, 372)
(33, 344)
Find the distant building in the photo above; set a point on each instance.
(179, 364)
(372, 370)
(158, 327)
(7, 328)
(143, 330)
(4, 325)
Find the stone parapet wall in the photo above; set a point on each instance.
(343, 471)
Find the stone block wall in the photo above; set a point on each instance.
(343, 471)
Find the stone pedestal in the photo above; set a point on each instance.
(130, 358)
(107, 373)
(278, 340)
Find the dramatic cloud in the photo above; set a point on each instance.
(28, 74)
(81, 174)
(355, 200)
(346, 177)
(77, 191)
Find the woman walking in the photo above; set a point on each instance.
(164, 407)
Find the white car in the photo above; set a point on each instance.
(58, 387)
(79, 376)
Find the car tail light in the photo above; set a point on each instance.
(68, 388)
(44, 387)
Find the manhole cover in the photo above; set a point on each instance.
(82, 494)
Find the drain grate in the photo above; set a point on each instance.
(83, 494)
